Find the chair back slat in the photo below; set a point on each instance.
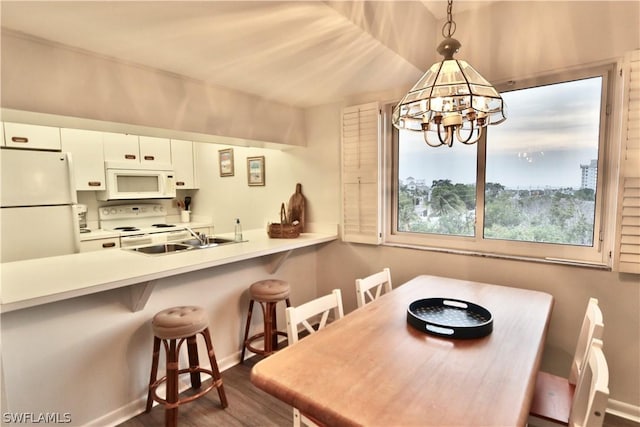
(592, 392)
(378, 282)
(319, 307)
(592, 328)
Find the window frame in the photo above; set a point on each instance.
(597, 255)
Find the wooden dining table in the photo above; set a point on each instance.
(371, 368)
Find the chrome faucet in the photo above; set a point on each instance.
(201, 237)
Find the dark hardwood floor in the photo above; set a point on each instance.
(249, 406)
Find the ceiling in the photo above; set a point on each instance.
(300, 53)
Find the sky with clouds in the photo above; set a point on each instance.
(556, 126)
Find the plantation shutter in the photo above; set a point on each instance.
(361, 174)
(628, 215)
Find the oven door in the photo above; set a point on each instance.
(130, 184)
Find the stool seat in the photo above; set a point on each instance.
(179, 322)
(269, 290)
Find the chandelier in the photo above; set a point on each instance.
(451, 99)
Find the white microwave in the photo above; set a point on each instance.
(138, 183)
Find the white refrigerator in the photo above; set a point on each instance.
(38, 205)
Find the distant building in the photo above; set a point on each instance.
(589, 175)
(410, 183)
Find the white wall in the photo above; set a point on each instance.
(316, 167)
(43, 77)
(517, 39)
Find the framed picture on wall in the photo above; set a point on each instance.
(226, 162)
(255, 170)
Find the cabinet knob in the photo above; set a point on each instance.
(149, 158)
(19, 139)
(130, 156)
(94, 183)
(108, 245)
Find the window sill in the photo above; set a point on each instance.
(559, 261)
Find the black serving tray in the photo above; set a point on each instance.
(448, 317)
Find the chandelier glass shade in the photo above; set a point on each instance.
(451, 100)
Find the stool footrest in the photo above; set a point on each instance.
(168, 405)
(257, 336)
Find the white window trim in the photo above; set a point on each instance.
(599, 256)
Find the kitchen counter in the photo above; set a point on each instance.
(40, 281)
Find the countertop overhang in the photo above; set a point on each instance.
(40, 281)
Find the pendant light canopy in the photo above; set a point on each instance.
(451, 100)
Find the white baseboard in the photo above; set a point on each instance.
(138, 406)
(624, 410)
(120, 415)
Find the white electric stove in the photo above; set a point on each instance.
(141, 224)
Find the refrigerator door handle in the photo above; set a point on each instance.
(76, 229)
(72, 183)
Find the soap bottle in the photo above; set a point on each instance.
(238, 236)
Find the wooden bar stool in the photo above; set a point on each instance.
(172, 327)
(267, 293)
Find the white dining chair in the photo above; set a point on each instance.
(554, 394)
(592, 391)
(587, 406)
(315, 312)
(592, 328)
(376, 282)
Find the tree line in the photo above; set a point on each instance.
(561, 215)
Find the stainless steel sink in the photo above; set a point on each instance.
(211, 242)
(185, 245)
(163, 248)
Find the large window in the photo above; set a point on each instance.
(531, 187)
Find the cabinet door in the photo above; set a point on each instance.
(85, 147)
(2, 134)
(155, 151)
(183, 161)
(120, 147)
(36, 137)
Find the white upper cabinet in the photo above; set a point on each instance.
(34, 137)
(183, 161)
(2, 134)
(147, 150)
(85, 147)
(120, 147)
(155, 150)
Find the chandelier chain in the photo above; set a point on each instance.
(449, 27)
